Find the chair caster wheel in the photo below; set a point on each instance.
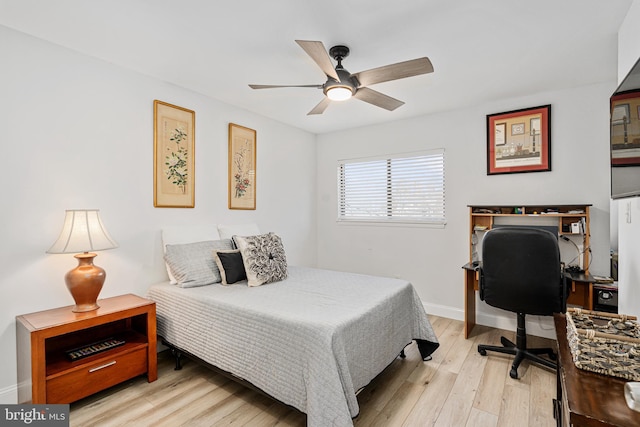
(482, 351)
(513, 373)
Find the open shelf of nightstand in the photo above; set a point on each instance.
(58, 362)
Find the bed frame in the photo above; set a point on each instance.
(178, 354)
(423, 347)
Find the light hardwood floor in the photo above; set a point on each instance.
(457, 388)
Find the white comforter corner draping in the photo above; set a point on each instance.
(310, 341)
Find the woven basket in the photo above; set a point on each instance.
(604, 343)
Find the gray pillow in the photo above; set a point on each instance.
(263, 257)
(192, 264)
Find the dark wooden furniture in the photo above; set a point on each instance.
(484, 217)
(581, 292)
(47, 375)
(586, 398)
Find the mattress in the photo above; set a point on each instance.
(310, 341)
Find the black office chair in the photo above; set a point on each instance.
(521, 272)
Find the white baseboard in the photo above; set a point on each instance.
(9, 395)
(540, 326)
(444, 311)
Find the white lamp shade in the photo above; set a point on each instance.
(82, 231)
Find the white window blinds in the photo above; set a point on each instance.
(398, 188)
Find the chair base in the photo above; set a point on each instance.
(520, 350)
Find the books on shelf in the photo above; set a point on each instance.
(602, 279)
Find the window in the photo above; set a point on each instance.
(406, 188)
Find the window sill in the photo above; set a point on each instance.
(396, 223)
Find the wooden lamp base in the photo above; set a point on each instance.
(85, 283)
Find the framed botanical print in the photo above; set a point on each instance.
(173, 156)
(519, 141)
(242, 167)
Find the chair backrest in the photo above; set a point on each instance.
(521, 271)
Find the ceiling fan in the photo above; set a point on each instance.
(342, 85)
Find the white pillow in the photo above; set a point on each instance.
(228, 231)
(180, 234)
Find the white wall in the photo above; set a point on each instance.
(77, 132)
(431, 258)
(629, 209)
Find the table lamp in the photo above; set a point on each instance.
(83, 231)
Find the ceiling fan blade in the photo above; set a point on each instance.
(400, 70)
(319, 109)
(277, 86)
(318, 53)
(378, 99)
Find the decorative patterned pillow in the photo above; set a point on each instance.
(231, 267)
(263, 257)
(192, 264)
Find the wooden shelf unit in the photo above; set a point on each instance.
(486, 217)
(47, 375)
(532, 215)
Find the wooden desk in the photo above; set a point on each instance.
(581, 290)
(586, 398)
(471, 285)
(580, 286)
(483, 218)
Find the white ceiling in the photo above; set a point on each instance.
(481, 50)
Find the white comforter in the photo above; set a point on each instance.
(311, 341)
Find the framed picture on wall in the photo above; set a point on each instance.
(500, 133)
(242, 167)
(519, 141)
(173, 156)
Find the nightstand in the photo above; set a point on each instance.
(47, 373)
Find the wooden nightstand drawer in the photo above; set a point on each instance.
(90, 378)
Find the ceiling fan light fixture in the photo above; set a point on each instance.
(342, 85)
(339, 93)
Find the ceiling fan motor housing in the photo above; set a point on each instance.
(346, 81)
(338, 53)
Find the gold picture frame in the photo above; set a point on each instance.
(242, 167)
(173, 156)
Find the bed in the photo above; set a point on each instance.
(310, 340)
